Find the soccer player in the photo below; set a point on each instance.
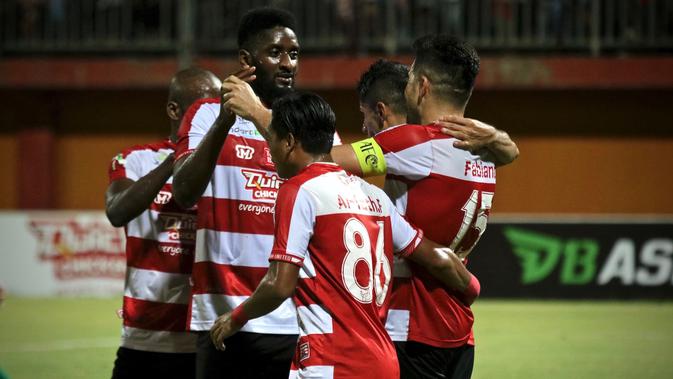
(334, 240)
(445, 191)
(160, 239)
(224, 165)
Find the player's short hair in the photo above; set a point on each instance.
(384, 81)
(260, 19)
(450, 64)
(308, 117)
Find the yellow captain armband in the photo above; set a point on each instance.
(370, 157)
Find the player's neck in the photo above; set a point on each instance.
(432, 111)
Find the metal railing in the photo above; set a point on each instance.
(189, 27)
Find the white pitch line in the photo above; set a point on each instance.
(90, 343)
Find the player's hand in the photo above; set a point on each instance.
(472, 135)
(238, 96)
(246, 74)
(222, 329)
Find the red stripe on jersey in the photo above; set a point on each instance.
(247, 152)
(151, 315)
(210, 278)
(403, 137)
(239, 216)
(146, 254)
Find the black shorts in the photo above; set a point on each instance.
(131, 364)
(247, 355)
(420, 361)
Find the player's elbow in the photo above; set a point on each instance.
(184, 200)
(116, 218)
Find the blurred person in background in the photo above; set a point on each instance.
(160, 239)
(224, 165)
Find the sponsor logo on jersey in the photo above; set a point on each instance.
(267, 155)
(80, 248)
(179, 227)
(264, 186)
(163, 197)
(244, 152)
(244, 132)
(304, 351)
(118, 160)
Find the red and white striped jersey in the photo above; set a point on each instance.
(159, 257)
(447, 192)
(234, 223)
(342, 232)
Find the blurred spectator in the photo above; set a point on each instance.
(30, 11)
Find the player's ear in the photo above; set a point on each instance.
(290, 142)
(423, 87)
(244, 58)
(382, 112)
(173, 110)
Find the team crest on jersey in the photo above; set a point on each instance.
(264, 186)
(244, 152)
(267, 155)
(163, 197)
(118, 160)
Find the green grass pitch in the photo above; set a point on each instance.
(77, 338)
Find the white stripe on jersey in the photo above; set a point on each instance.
(237, 249)
(317, 372)
(450, 162)
(314, 320)
(397, 324)
(205, 310)
(157, 286)
(153, 340)
(413, 163)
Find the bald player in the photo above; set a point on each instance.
(160, 238)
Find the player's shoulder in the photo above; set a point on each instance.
(151, 147)
(404, 136)
(210, 106)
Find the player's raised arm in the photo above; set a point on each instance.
(481, 139)
(194, 166)
(277, 285)
(125, 198)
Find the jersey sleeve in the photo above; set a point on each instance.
(294, 221)
(124, 166)
(406, 237)
(198, 119)
(407, 151)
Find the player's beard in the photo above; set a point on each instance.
(265, 87)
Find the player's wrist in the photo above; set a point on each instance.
(239, 317)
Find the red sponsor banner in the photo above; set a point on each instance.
(79, 248)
